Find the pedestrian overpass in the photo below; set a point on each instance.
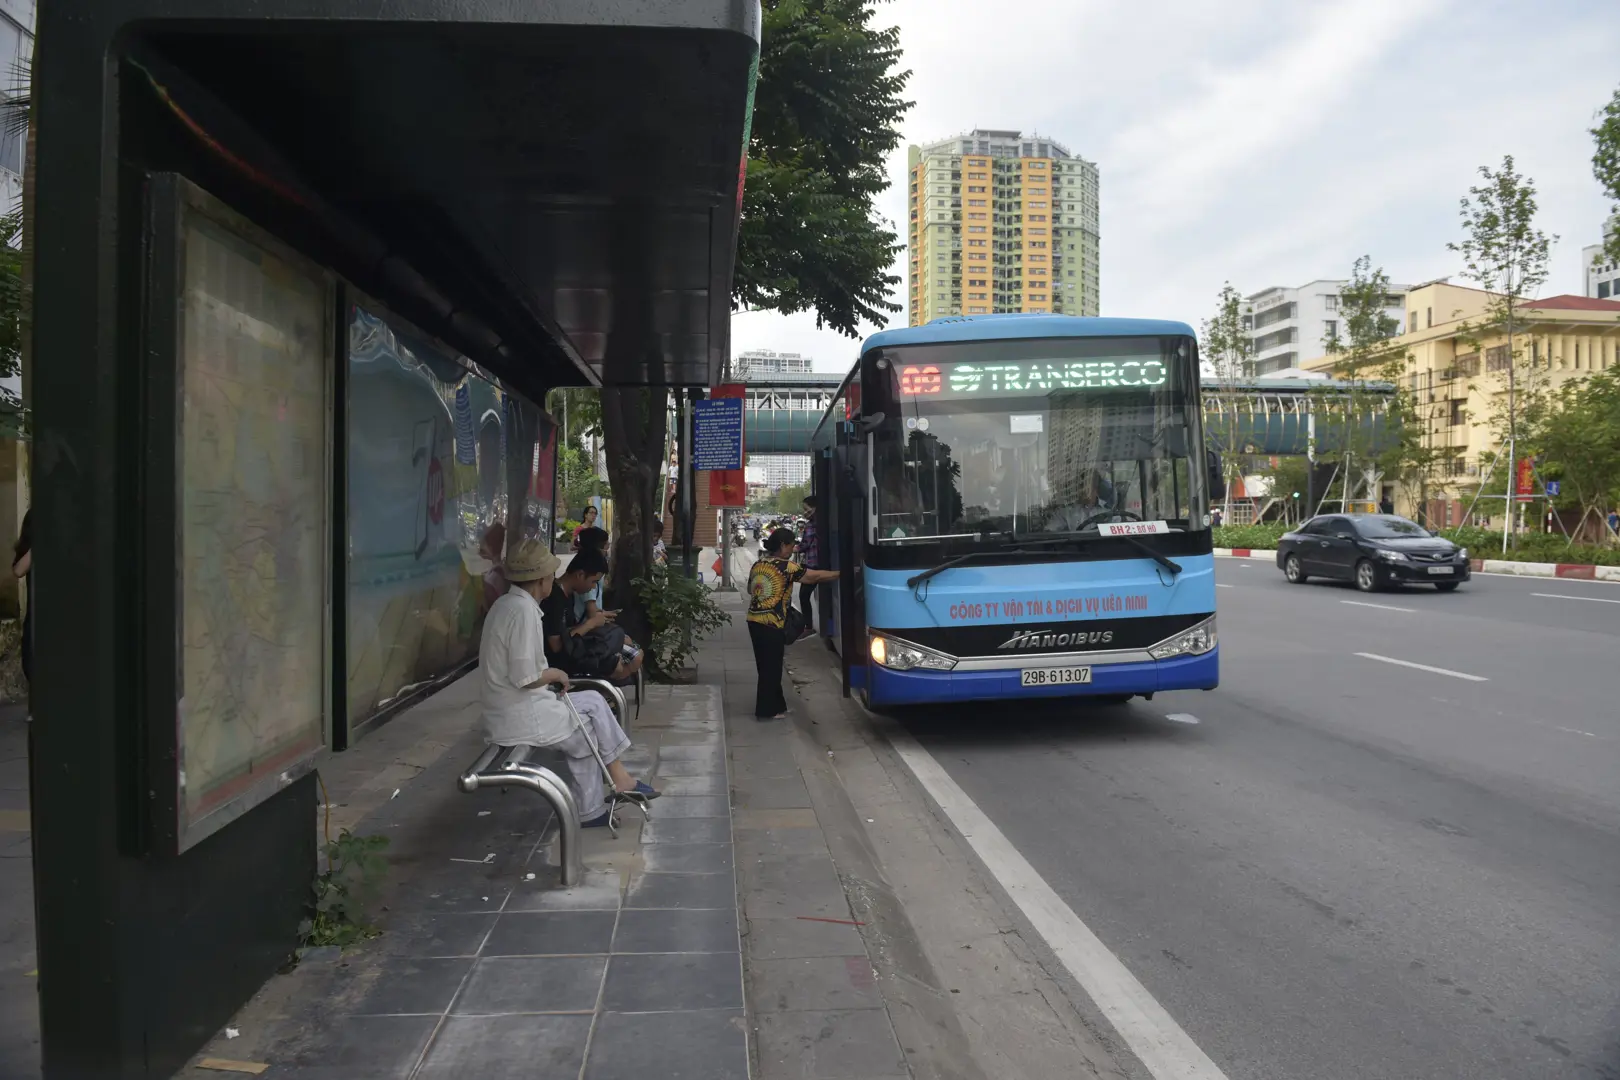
(1259, 416)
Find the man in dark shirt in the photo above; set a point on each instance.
(584, 572)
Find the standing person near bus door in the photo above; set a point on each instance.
(771, 618)
(810, 559)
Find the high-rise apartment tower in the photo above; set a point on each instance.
(1001, 221)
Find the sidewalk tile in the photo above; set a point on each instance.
(550, 933)
(507, 1048)
(649, 890)
(448, 934)
(531, 984)
(838, 1045)
(823, 982)
(775, 793)
(765, 843)
(777, 939)
(360, 1046)
(692, 806)
(706, 784)
(598, 892)
(668, 767)
(688, 1045)
(686, 831)
(408, 985)
(660, 982)
(687, 858)
(697, 930)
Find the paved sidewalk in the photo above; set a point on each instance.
(489, 969)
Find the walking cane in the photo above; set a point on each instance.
(614, 797)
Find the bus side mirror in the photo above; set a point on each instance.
(869, 423)
(1217, 477)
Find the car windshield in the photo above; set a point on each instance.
(1382, 527)
(1011, 446)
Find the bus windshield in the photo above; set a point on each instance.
(1018, 439)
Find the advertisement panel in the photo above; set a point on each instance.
(427, 481)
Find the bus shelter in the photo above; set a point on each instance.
(304, 273)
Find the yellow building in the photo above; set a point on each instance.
(1459, 371)
(1001, 221)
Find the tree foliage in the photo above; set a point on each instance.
(1506, 255)
(1579, 442)
(1606, 168)
(827, 109)
(1229, 350)
(1366, 352)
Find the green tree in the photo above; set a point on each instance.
(1579, 443)
(1229, 350)
(827, 110)
(826, 114)
(1289, 478)
(1606, 168)
(788, 499)
(1366, 352)
(1506, 255)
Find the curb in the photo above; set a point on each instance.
(1571, 571)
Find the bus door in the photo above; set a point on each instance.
(849, 482)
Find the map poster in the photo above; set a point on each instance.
(254, 466)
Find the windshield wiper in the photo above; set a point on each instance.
(957, 560)
(1026, 549)
(1082, 538)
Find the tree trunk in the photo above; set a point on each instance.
(633, 421)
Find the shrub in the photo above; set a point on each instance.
(1263, 536)
(681, 612)
(345, 892)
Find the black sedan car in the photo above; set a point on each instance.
(1373, 550)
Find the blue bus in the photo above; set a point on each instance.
(1021, 508)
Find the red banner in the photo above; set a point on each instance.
(728, 487)
(1525, 483)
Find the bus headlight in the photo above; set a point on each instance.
(903, 656)
(1194, 641)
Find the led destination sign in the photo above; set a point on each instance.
(1028, 377)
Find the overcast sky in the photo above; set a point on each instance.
(1266, 142)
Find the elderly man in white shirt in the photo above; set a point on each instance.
(518, 706)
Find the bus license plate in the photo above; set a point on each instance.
(1442, 569)
(1054, 676)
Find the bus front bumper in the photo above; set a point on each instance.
(886, 687)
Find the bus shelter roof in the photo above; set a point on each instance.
(551, 188)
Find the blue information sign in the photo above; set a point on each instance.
(1552, 487)
(717, 434)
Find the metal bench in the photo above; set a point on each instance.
(518, 766)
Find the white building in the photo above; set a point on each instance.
(777, 471)
(1602, 278)
(757, 363)
(1289, 325)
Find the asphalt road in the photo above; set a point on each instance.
(1349, 868)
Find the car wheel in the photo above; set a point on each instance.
(1294, 571)
(1367, 578)
(1447, 586)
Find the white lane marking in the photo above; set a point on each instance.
(1578, 731)
(1380, 607)
(1567, 596)
(1424, 667)
(1181, 717)
(1157, 1040)
(1223, 585)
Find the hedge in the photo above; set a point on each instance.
(1481, 544)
